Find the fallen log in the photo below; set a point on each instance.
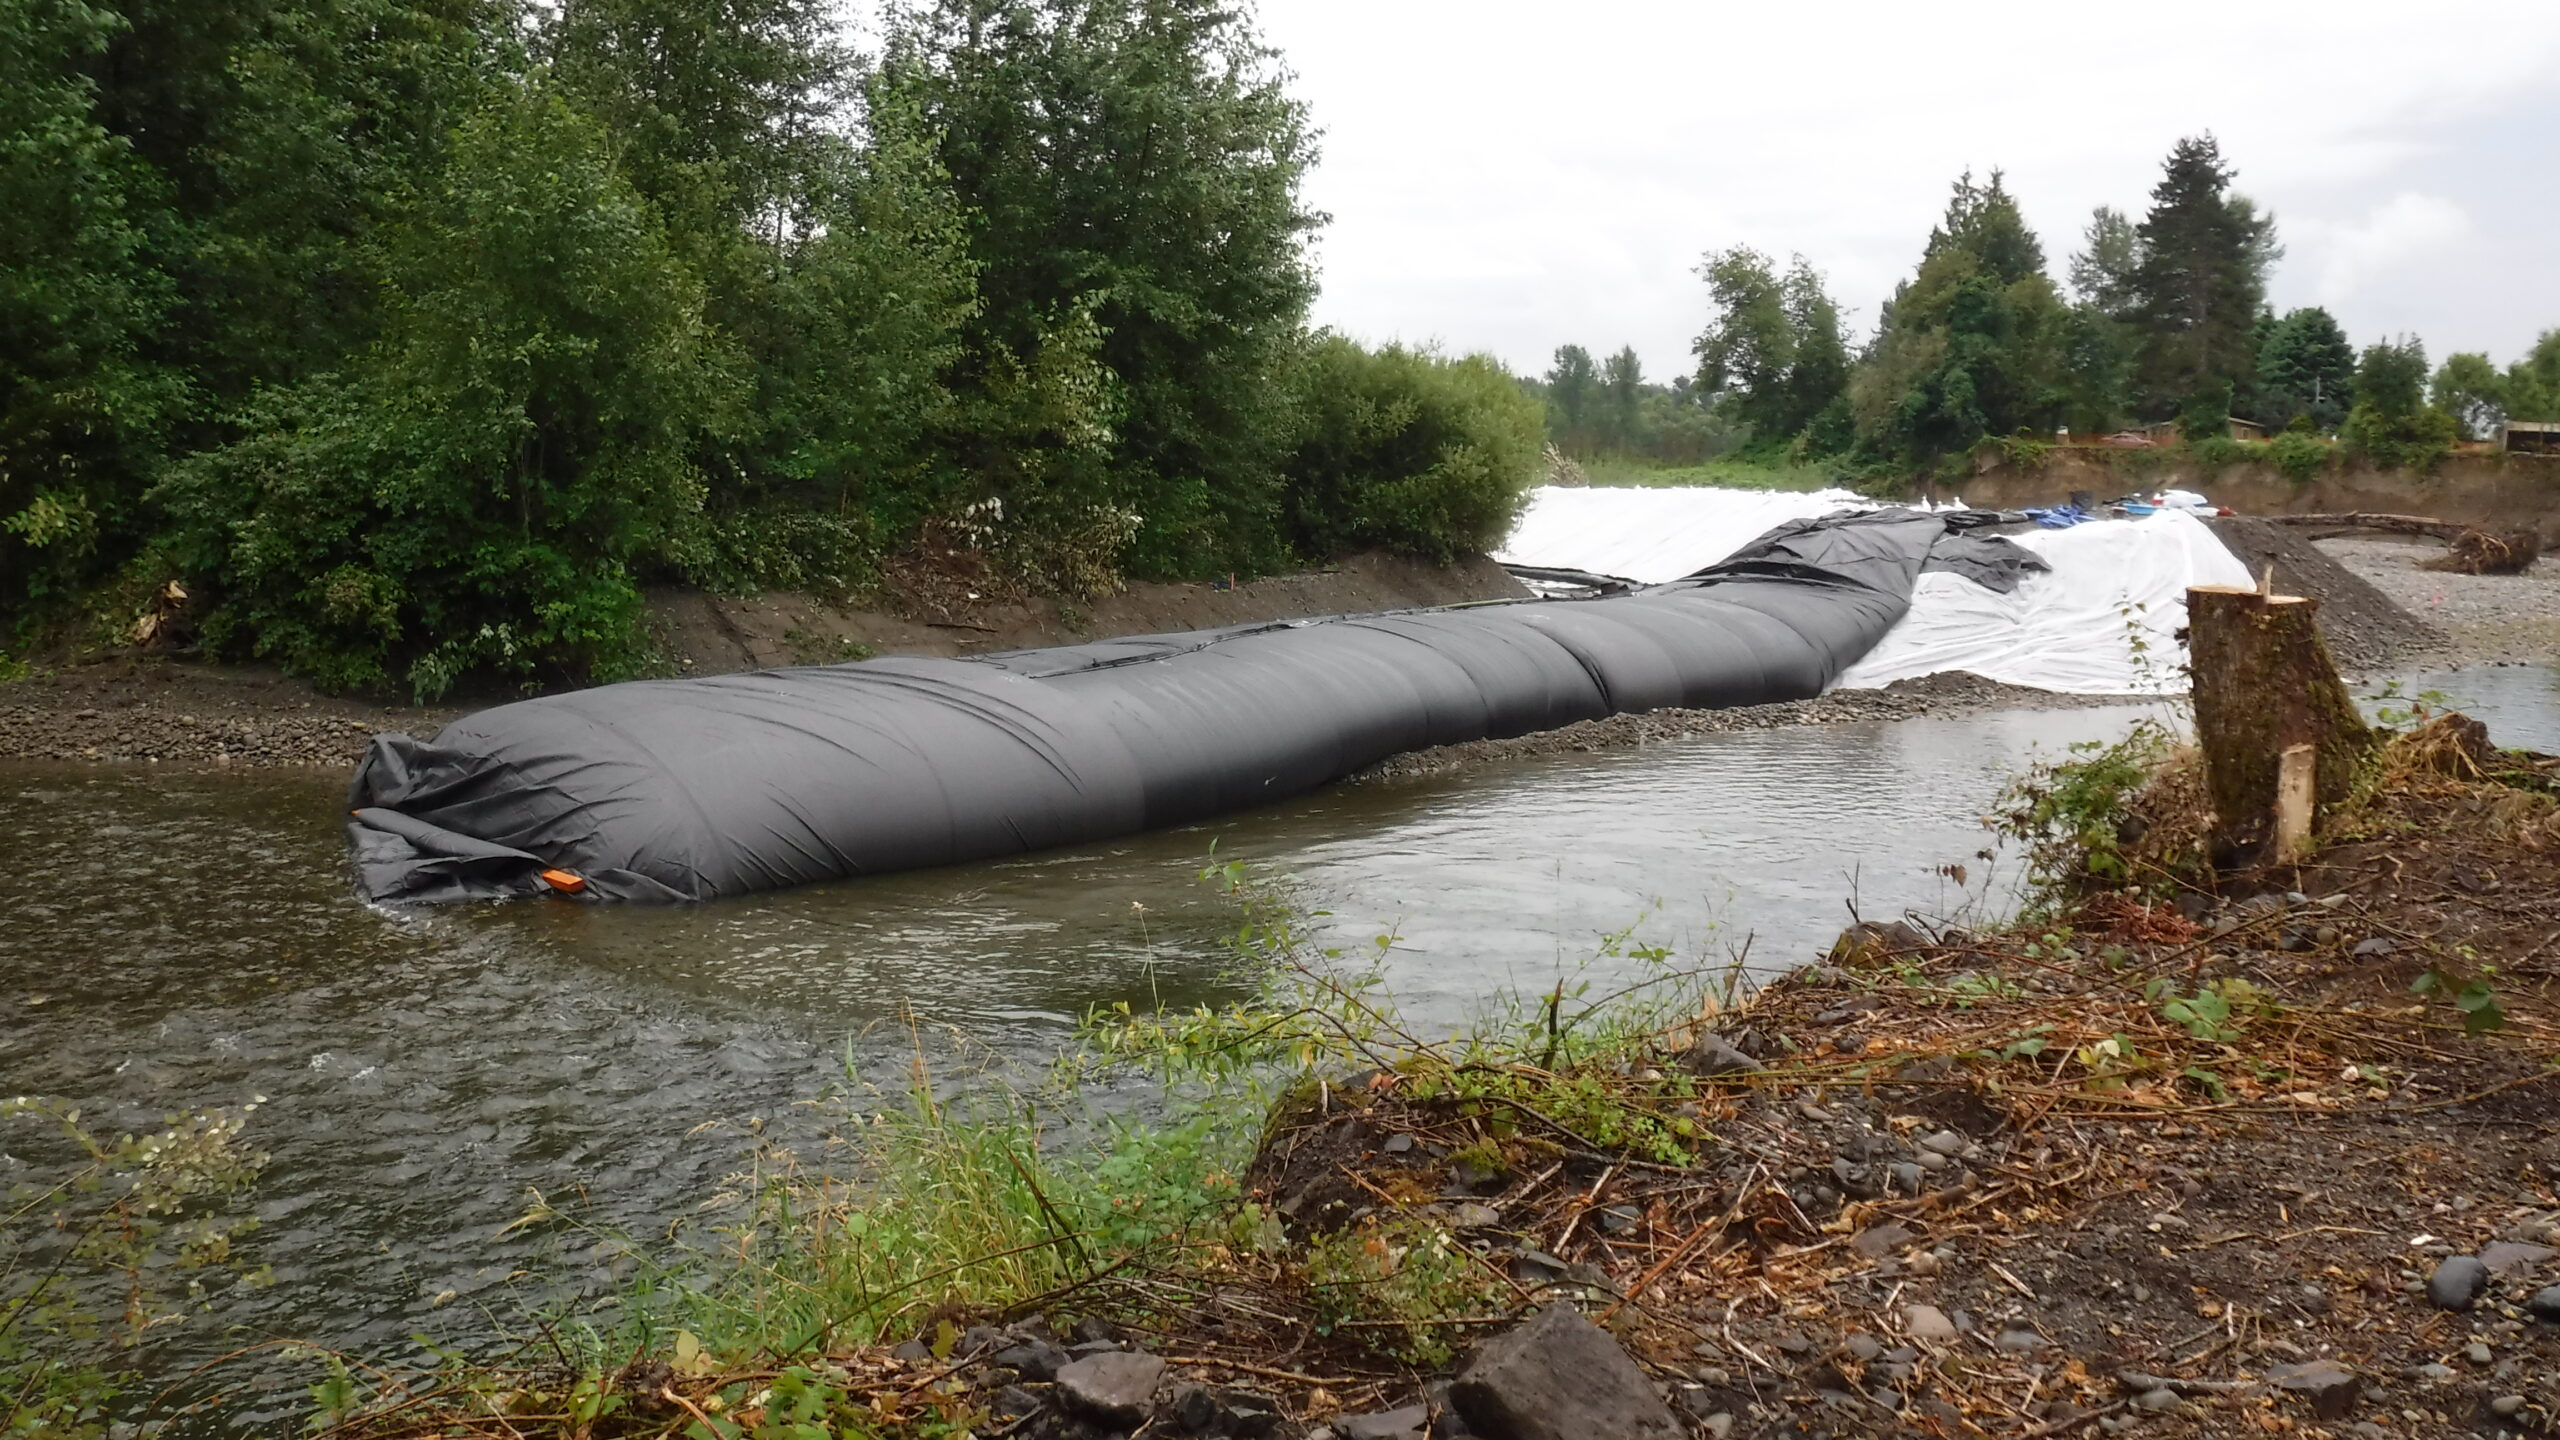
(2469, 550)
(2270, 708)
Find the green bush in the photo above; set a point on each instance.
(1410, 450)
(2415, 440)
(2212, 453)
(482, 489)
(2299, 454)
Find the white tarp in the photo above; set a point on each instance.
(2103, 621)
(1654, 535)
(2075, 630)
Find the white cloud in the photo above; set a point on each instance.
(2404, 228)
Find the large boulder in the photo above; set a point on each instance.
(1559, 1377)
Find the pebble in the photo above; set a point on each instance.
(1928, 1322)
(2377, 946)
(2162, 1399)
(2477, 1353)
(2545, 1304)
(2457, 1282)
(1943, 1144)
(2506, 1405)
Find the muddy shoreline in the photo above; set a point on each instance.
(2379, 608)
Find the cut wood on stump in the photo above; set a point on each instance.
(2264, 684)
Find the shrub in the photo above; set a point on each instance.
(2299, 454)
(1410, 450)
(481, 489)
(2217, 452)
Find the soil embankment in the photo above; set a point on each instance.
(2496, 492)
(138, 708)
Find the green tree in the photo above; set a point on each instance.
(1622, 386)
(483, 487)
(2533, 383)
(2201, 281)
(1970, 346)
(2305, 367)
(1136, 164)
(1773, 352)
(83, 404)
(1573, 393)
(2110, 257)
(2470, 389)
(2391, 423)
(1410, 450)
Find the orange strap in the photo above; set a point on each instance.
(564, 882)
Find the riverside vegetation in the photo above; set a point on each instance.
(404, 341)
(2153, 1151)
(2158, 319)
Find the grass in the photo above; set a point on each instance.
(1730, 474)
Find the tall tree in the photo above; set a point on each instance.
(2391, 422)
(1138, 163)
(1622, 384)
(2533, 383)
(2201, 280)
(2470, 389)
(2305, 367)
(2110, 256)
(1971, 345)
(1774, 349)
(1573, 392)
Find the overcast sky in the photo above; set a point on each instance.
(1510, 177)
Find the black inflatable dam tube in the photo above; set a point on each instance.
(700, 788)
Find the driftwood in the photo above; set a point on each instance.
(2469, 551)
(2264, 685)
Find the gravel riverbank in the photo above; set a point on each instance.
(2486, 619)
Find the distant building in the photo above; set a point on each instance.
(2247, 429)
(2530, 437)
(2166, 432)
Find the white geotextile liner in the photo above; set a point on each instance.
(1655, 535)
(2072, 629)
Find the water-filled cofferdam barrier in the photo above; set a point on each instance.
(699, 788)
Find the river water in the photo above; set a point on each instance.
(170, 940)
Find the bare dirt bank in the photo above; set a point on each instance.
(136, 707)
(2493, 491)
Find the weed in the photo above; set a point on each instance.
(2216, 1012)
(1403, 1287)
(151, 1218)
(2074, 816)
(2474, 995)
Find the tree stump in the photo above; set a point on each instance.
(2264, 684)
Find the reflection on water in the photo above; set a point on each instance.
(173, 940)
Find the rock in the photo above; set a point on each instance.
(1618, 1219)
(2505, 1406)
(1714, 1055)
(2161, 1399)
(2477, 1352)
(2018, 1341)
(1405, 1424)
(1012, 1402)
(1717, 1426)
(2437, 1374)
(1928, 1322)
(1944, 1142)
(1033, 1359)
(1932, 1161)
(1397, 1144)
(2374, 948)
(1925, 1263)
(1198, 1410)
(1558, 1377)
(1476, 1175)
(2508, 1257)
(1863, 1346)
(1907, 1175)
(1536, 1267)
(2330, 1386)
(2457, 1282)
(914, 1352)
(1877, 1241)
(2545, 1304)
(1474, 1215)
(1117, 1388)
